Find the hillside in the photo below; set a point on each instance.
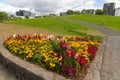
(111, 22)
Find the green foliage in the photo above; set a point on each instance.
(38, 58)
(52, 14)
(3, 16)
(99, 12)
(12, 16)
(105, 12)
(18, 18)
(77, 12)
(69, 12)
(55, 45)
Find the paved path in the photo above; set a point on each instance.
(110, 69)
(5, 74)
(111, 61)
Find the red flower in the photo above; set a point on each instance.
(78, 59)
(18, 36)
(92, 50)
(83, 61)
(73, 53)
(68, 53)
(38, 36)
(63, 44)
(9, 38)
(70, 71)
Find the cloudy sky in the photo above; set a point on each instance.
(51, 6)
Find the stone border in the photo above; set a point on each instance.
(25, 70)
(94, 72)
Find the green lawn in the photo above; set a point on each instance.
(111, 22)
(56, 25)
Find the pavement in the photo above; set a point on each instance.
(5, 74)
(111, 60)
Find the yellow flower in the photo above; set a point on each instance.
(55, 58)
(60, 58)
(52, 65)
(46, 58)
(55, 54)
(30, 55)
(60, 63)
(79, 53)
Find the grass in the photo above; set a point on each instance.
(111, 22)
(56, 25)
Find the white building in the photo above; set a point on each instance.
(117, 11)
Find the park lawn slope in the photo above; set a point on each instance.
(112, 22)
(56, 25)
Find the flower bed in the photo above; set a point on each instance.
(69, 55)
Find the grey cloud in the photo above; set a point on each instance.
(19, 3)
(49, 5)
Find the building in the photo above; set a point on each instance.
(110, 8)
(23, 13)
(117, 11)
(90, 11)
(63, 13)
(83, 11)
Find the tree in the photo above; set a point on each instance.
(69, 12)
(99, 12)
(3, 16)
(52, 14)
(105, 12)
(76, 12)
(12, 16)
